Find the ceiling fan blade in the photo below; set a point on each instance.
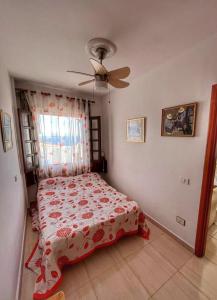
(76, 72)
(86, 82)
(120, 73)
(117, 83)
(98, 67)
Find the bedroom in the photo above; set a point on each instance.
(171, 54)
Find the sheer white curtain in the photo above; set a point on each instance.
(62, 129)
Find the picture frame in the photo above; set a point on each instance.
(179, 121)
(136, 130)
(6, 131)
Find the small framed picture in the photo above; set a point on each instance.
(136, 130)
(6, 131)
(179, 121)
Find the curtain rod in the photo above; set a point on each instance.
(57, 95)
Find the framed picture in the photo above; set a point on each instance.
(179, 120)
(6, 131)
(136, 130)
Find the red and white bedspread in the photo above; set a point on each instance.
(76, 216)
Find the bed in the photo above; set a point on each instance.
(76, 216)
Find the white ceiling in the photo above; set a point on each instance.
(41, 39)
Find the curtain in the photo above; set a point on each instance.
(62, 130)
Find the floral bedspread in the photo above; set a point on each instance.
(76, 216)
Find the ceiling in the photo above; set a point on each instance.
(40, 40)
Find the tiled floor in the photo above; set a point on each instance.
(211, 246)
(134, 268)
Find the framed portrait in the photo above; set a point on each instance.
(179, 121)
(6, 131)
(136, 130)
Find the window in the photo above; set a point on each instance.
(62, 134)
(27, 134)
(60, 139)
(95, 143)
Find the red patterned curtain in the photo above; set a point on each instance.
(62, 130)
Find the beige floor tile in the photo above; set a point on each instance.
(130, 245)
(173, 251)
(119, 284)
(98, 262)
(211, 249)
(203, 274)
(74, 277)
(86, 292)
(152, 269)
(215, 235)
(116, 256)
(212, 230)
(178, 288)
(155, 232)
(127, 274)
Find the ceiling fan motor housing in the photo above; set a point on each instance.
(101, 48)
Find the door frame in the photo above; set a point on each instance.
(208, 177)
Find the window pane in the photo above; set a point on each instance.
(25, 119)
(95, 146)
(60, 139)
(28, 148)
(94, 124)
(95, 135)
(95, 155)
(26, 134)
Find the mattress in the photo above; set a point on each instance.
(77, 215)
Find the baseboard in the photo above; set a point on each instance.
(166, 230)
(20, 273)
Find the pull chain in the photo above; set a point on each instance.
(109, 95)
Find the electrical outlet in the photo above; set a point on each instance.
(185, 180)
(180, 220)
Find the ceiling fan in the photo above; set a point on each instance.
(101, 48)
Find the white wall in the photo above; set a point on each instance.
(12, 202)
(150, 172)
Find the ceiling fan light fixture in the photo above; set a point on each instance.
(101, 85)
